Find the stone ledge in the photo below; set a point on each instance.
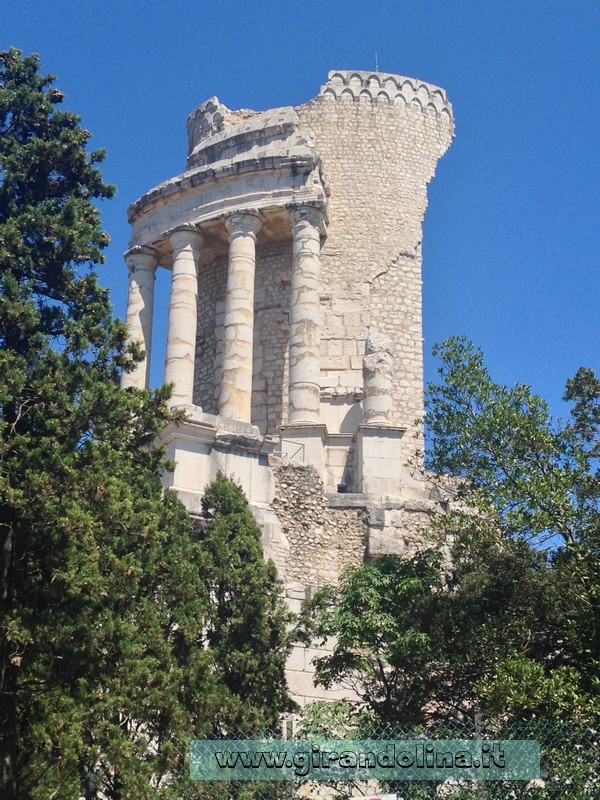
(221, 433)
(347, 500)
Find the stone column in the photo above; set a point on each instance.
(142, 262)
(305, 318)
(236, 383)
(377, 378)
(183, 314)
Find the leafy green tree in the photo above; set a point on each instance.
(383, 642)
(512, 626)
(102, 600)
(537, 478)
(415, 643)
(507, 450)
(247, 620)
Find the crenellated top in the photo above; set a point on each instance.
(384, 88)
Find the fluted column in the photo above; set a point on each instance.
(305, 317)
(236, 382)
(142, 263)
(183, 314)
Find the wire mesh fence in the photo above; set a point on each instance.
(569, 765)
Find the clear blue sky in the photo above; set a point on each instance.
(512, 234)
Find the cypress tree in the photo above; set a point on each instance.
(247, 618)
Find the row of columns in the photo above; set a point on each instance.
(235, 399)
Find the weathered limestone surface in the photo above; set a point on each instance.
(271, 333)
(183, 314)
(236, 378)
(294, 333)
(377, 380)
(305, 317)
(379, 137)
(142, 263)
(322, 542)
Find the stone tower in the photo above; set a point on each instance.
(294, 321)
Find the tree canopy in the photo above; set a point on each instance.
(247, 619)
(512, 627)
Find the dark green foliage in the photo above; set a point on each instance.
(584, 391)
(105, 672)
(247, 617)
(102, 599)
(511, 627)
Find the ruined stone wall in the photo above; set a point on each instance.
(378, 155)
(212, 287)
(323, 541)
(271, 308)
(320, 535)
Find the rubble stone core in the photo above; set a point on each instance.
(294, 338)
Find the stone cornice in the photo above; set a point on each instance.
(298, 165)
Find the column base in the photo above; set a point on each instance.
(204, 444)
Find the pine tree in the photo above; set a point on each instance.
(103, 605)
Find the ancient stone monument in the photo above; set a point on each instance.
(294, 320)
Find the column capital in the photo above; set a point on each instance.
(141, 257)
(314, 215)
(245, 222)
(184, 235)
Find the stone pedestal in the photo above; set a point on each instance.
(305, 317)
(380, 460)
(142, 262)
(183, 314)
(236, 383)
(304, 444)
(206, 444)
